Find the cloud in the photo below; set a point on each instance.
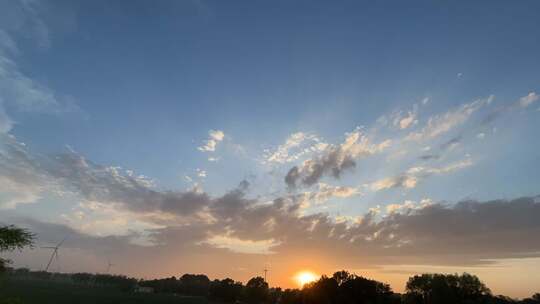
(440, 124)
(24, 93)
(19, 92)
(452, 143)
(21, 180)
(215, 136)
(134, 192)
(529, 99)
(467, 233)
(522, 102)
(196, 224)
(26, 17)
(201, 173)
(407, 121)
(408, 206)
(413, 175)
(402, 181)
(324, 192)
(73, 173)
(5, 122)
(404, 121)
(334, 159)
(296, 145)
(7, 44)
(429, 156)
(242, 246)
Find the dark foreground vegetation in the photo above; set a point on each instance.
(21, 286)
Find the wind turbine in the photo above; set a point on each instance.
(109, 265)
(54, 253)
(265, 270)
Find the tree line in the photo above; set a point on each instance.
(341, 288)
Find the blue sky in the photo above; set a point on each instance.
(400, 105)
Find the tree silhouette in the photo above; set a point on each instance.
(256, 291)
(323, 291)
(12, 238)
(194, 284)
(345, 288)
(226, 290)
(534, 299)
(445, 288)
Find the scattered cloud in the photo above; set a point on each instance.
(201, 173)
(408, 206)
(297, 145)
(334, 159)
(215, 136)
(404, 121)
(529, 99)
(324, 192)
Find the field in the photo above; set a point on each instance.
(47, 292)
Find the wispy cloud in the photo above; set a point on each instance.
(17, 90)
(5, 122)
(414, 175)
(440, 124)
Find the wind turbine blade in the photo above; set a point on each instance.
(50, 261)
(62, 242)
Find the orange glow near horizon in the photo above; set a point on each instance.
(304, 277)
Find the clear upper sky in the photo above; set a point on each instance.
(205, 125)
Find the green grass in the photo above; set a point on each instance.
(49, 292)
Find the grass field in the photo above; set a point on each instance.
(47, 292)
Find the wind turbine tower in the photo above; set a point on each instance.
(109, 265)
(54, 253)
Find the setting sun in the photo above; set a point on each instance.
(304, 277)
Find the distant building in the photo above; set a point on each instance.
(144, 289)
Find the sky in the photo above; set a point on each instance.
(387, 138)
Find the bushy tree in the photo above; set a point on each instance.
(194, 284)
(445, 288)
(346, 288)
(323, 291)
(256, 291)
(226, 290)
(12, 238)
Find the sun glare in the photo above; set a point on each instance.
(304, 277)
